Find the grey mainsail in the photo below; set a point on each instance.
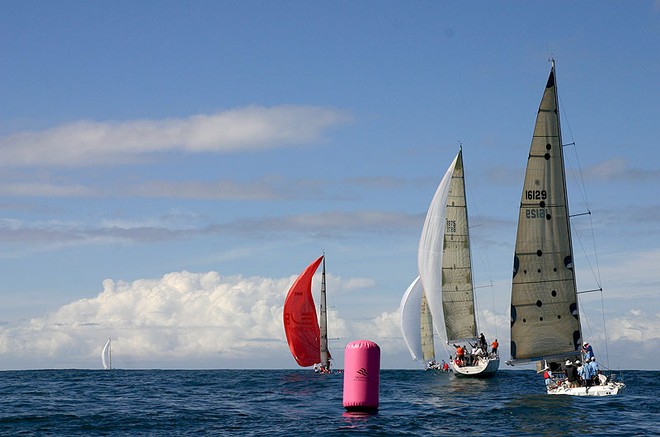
(426, 329)
(457, 289)
(545, 323)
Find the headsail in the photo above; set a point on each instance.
(544, 312)
(300, 323)
(106, 355)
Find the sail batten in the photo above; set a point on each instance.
(543, 293)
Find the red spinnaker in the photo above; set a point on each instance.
(300, 322)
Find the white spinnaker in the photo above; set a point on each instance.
(105, 355)
(429, 255)
(411, 318)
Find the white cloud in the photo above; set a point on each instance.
(635, 326)
(182, 317)
(86, 143)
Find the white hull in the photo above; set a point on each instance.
(609, 389)
(485, 368)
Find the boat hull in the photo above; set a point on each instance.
(486, 368)
(610, 389)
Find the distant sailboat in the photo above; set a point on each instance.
(106, 355)
(306, 335)
(445, 270)
(545, 321)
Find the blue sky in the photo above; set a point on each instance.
(168, 168)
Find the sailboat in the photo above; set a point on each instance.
(106, 355)
(545, 320)
(445, 271)
(417, 325)
(306, 335)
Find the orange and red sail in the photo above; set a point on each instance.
(300, 323)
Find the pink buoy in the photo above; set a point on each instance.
(361, 376)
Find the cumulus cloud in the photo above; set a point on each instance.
(86, 143)
(182, 317)
(635, 326)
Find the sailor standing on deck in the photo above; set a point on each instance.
(587, 374)
(547, 375)
(587, 351)
(594, 370)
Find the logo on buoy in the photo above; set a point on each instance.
(363, 372)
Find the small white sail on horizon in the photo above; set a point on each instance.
(106, 355)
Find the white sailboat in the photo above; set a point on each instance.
(445, 270)
(545, 321)
(106, 355)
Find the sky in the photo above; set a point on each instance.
(168, 168)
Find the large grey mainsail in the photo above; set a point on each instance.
(457, 289)
(545, 323)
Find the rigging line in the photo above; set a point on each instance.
(602, 310)
(587, 258)
(567, 123)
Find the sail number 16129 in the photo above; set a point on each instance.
(536, 194)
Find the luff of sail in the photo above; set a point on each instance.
(544, 313)
(300, 322)
(457, 288)
(106, 355)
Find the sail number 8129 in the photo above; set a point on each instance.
(535, 213)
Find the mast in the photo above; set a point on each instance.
(323, 323)
(110, 353)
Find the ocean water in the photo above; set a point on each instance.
(300, 402)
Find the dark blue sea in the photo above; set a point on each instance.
(300, 402)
